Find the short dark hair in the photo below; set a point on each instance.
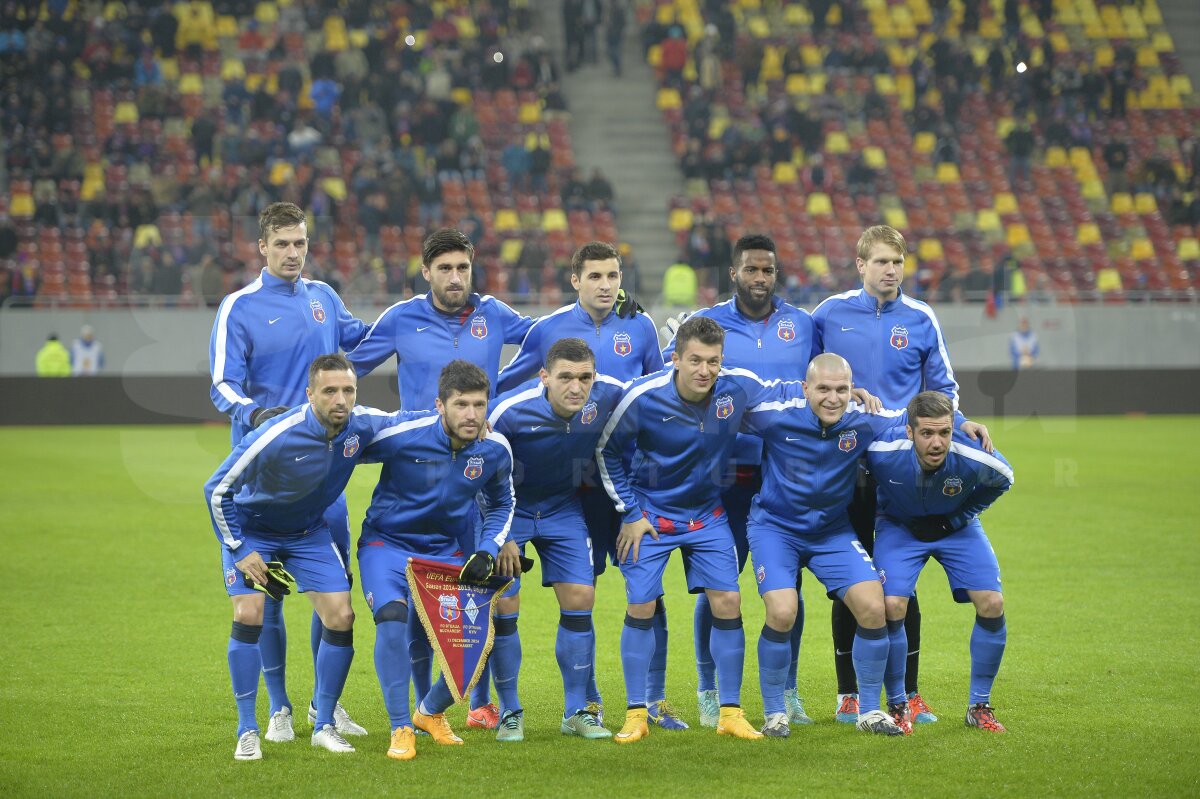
(574, 350)
(699, 328)
(327, 363)
(752, 241)
(463, 377)
(279, 215)
(445, 240)
(593, 251)
(929, 405)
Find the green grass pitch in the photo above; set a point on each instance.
(115, 626)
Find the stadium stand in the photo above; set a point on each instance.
(1025, 149)
(140, 141)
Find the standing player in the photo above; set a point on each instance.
(424, 334)
(680, 425)
(625, 346)
(799, 518)
(933, 484)
(553, 425)
(433, 468)
(895, 347)
(262, 342)
(775, 340)
(267, 503)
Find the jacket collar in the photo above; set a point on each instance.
(279, 285)
(871, 304)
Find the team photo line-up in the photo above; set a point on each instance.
(760, 433)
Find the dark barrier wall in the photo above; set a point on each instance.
(184, 400)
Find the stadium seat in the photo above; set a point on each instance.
(1145, 203)
(1088, 233)
(1189, 249)
(1122, 203)
(680, 219)
(816, 265)
(819, 204)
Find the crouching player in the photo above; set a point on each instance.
(933, 483)
(433, 466)
(553, 425)
(267, 502)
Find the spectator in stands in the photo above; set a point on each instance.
(8, 237)
(1157, 175)
(674, 57)
(540, 160)
(946, 149)
(1023, 345)
(680, 287)
(615, 19)
(1116, 156)
(860, 179)
(1020, 144)
(573, 35)
(87, 354)
(600, 192)
(515, 160)
(1091, 89)
(429, 198)
(208, 282)
(574, 191)
(53, 360)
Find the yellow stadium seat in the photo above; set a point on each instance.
(461, 95)
(1141, 249)
(1017, 234)
(816, 265)
(1060, 42)
(1104, 57)
(654, 55)
(1004, 126)
(1181, 84)
(1162, 42)
(1006, 203)
(510, 250)
(717, 125)
(885, 84)
(359, 38)
(1150, 14)
(233, 69)
(1122, 203)
(1108, 280)
(896, 218)
(758, 27)
(20, 206)
(147, 236)
(1147, 57)
(931, 249)
(266, 13)
(810, 54)
(126, 112)
(987, 220)
(1189, 249)
(227, 26)
(335, 187)
(819, 204)
(1088, 233)
(1080, 156)
(530, 114)
(507, 220)
(924, 142)
(191, 83)
(796, 14)
(784, 172)
(797, 83)
(1092, 189)
(680, 219)
(1056, 156)
(947, 172)
(668, 99)
(554, 220)
(837, 143)
(874, 157)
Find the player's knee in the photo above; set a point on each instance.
(640, 610)
(896, 607)
(248, 611)
(509, 604)
(725, 604)
(392, 611)
(781, 618)
(340, 618)
(989, 604)
(572, 596)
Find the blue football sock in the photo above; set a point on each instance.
(272, 645)
(333, 664)
(438, 698)
(656, 678)
(706, 670)
(244, 665)
(392, 666)
(870, 654)
(506, 661)
(575, 649)
(481, 692)
(794, 642)
(593, 691)
(637, 648)
(314, 639)
(893, 675)
(987, 649)
(420, 655)
(728, 645)
(774, 648)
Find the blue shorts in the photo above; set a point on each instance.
(709, 558)
(382, 568)
(311, 558)
(562, 544)
(966, 555)
(736, 500)
(837, 559)
(603, 526)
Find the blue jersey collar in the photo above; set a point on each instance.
(776, 304)
(460, 316)
(277, 284)
(870, 303)
(584, 316)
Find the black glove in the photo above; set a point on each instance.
(279, 582)
(626, 306)
(263, 414)
(477, 568)
(930, 528)
(526, 564)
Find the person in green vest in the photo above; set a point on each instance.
(53, 360)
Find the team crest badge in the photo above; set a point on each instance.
(448, 607)
(230, 577)
(318, 311)
(351, 446)
(786, 329)
(589, 413)
(760, 573)
(622, 344)
(848, 440)
(471, 609)
(899, 338)
(479, 326)
(952, 486)
(371, 600)
(882, 576)
(724, 406)
(474, 467)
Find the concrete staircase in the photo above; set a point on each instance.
(616, 127)
(1182, 19)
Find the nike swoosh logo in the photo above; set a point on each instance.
(273, 321)
(893, 482)
(536, 427)
(840, 652)
(302, 457)
(423, 460)
(844, 329)
(789, 438)
(419, 329)
(581, 668)
(668, 418)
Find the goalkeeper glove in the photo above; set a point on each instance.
(930, 528)
(263, 414)
(626, 306)
(477, 568)
(672, 325)
(279, 582)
